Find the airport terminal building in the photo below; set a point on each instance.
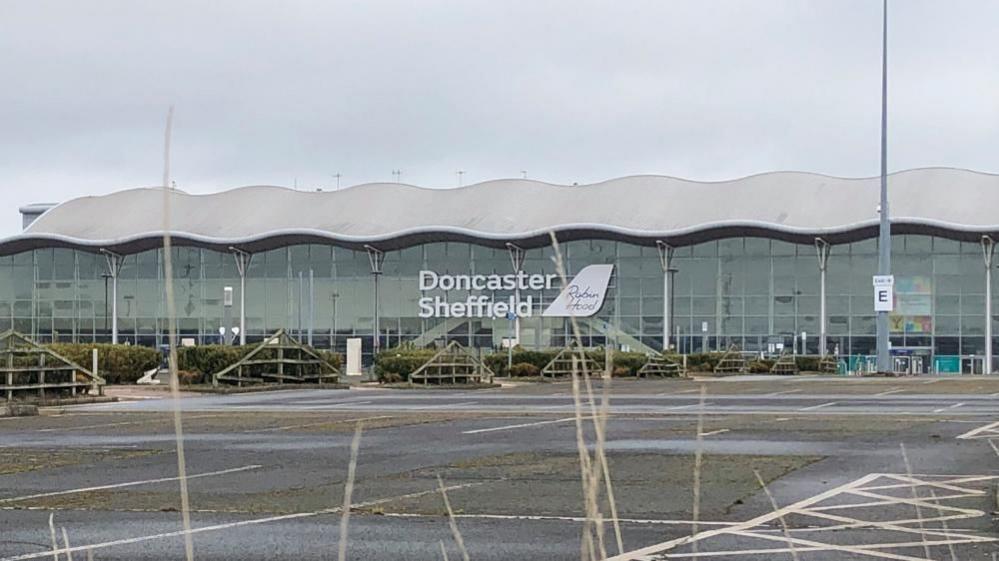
(771, 261)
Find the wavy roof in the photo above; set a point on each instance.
(786, 205)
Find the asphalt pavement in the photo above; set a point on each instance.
(858, 469)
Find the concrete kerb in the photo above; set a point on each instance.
(18, 410)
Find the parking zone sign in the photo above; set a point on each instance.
(884, 298)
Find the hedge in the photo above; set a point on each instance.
(395, 365)
(202, 361)
(124, 364)
(117, 364)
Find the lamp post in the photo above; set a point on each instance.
(884, 231)
(105, 276)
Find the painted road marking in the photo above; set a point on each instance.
(781, 393)
(445, 406)
(326, 422)
(677, 407)
(679, 392)
(652, 521)
(988, 431)
(127, 484)
(889, 392)
(217, 527)
(933, 381)
(522, 425)
(814, 407)
(897, 532)
(714, 432)
(942, 409)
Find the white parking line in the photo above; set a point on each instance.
(889, 392)
(781, 393)
(522, 425)
(990, 430)
(127, 484)
(687, 406)
(651, 521)
(252, 522)
(326, 422)
(934, 380)
(679, 392)
(714, 432)
(942, 409)
(814, 407)
(444, 406)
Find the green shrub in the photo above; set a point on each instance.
(703, 362)
(524, 370)
(621, 371)
(331, 357)
(807, 363)
(630, 362)
(760, 366)
(497, 361)
(117, 364)
(209, 359)
(398, 363)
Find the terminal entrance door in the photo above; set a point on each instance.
(913, 360)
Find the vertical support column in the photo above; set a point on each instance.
(242, 263)
(822, 251)
(312, 304)
(301, 296)
(988, 250)
(376, 258)
(517, 255)
(666, 260)
(114, 262)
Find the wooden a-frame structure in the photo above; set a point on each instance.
(279, 359)
(454, 364)
(30, 371)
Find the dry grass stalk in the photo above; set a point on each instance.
(783, 521)
(55, 543)
(451, 521)
(943, 522)
(348, 491)
(443, 550)
(65, 541)
(595, 470)
(178, 426)
(698, 461)
(915, 495)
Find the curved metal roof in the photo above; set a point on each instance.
(793, 206)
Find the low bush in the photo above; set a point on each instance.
(206, 360)
(395, 365)
(807, 363)
(524, 370)
(760, 366)
(117, 364)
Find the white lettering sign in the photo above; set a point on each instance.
(583, 297)
(884, 293)
(884, 297)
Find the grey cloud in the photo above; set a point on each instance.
(274, 92)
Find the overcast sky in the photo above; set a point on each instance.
(293, 92)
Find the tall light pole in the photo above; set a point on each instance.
(884, 233)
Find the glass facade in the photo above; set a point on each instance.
(752, 292)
